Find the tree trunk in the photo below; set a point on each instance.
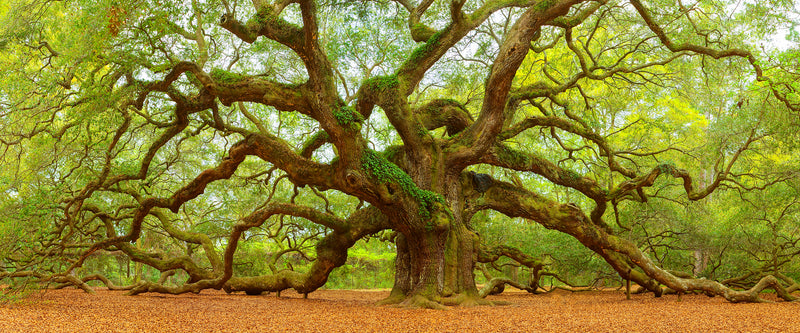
(435, 262)
(435, 268)
(700, 262)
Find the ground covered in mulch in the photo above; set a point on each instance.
(353, 311)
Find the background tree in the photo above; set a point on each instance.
(175, 135)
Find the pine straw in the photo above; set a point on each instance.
(353, 311)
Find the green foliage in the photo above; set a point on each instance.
(19, 291)
(226, 77)
(544, 5)
(266, 16)
(348, 118)
(667, 168)
(387, 172)
(382, 83)
(370, 264)
(425, 49)
(568, 258)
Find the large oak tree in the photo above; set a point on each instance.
(203, 122)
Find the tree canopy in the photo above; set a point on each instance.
(247, 145)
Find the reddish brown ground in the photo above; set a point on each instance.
(352, 311)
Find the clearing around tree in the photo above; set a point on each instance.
(354, 311)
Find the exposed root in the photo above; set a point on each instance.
(423, 302)
(465, 300)
(393, 299)
(420, 302)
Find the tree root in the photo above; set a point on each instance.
(393, 299)
(439, 303)
(412, 302)
(466, 300)
(421, 302)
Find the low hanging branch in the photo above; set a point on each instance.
(489, 255)
(516, 202)
(331, 250)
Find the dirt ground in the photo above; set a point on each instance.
(353, 311)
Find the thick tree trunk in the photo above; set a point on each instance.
(435, 268)
(435, 262)
(420, 271)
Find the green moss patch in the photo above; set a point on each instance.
(382, 83)
(348, 117)
(226, 77)
(387, 172)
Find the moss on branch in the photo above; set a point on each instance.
(267, 16)
(544, 5)
(426, 48)
(513, 157)
(227, 78)
(667, 168)
(382, 83)
(387, 172)
(348, 118)
(421, 32)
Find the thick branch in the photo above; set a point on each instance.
(517, 202)
(479, 137)
(331, 252)
(444, 113)
(267, 23)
